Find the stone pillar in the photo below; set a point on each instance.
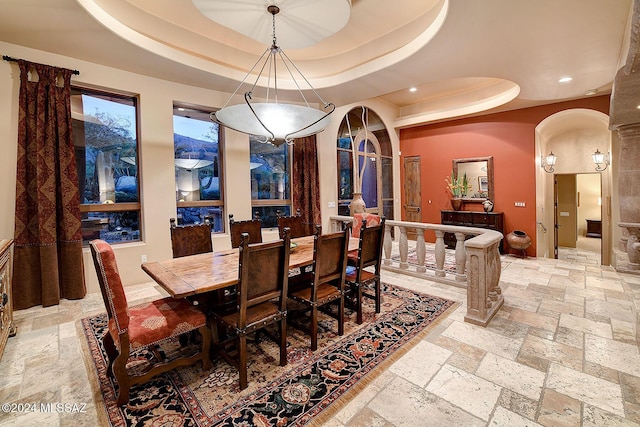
(623, 118)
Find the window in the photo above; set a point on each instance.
(106, 144)
(374, 162)
(270, 191)
(198, 166)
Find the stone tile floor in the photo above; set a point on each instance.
(561, 352)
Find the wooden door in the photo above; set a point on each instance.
(567, 211)
(412, 192)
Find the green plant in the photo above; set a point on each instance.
(457, 186)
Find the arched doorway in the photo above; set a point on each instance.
(572, 135)
(362, 132)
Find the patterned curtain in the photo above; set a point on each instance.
(306, 180)
(48, 236)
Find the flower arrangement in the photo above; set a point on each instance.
(457, 186)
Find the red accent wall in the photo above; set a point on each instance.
(509, 137)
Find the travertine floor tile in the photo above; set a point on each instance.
(586, 325)
(415, 368)
(595, 391)
(405, 404)
(512, 375)
(465, 390)
(559, 410)
(504, 417)
(613, 354)
(484, 339)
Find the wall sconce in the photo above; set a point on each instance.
(601, 159)
(548, 161)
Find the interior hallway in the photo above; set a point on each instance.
(561, 352)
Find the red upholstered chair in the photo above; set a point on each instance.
(142, 326)
(360, 218)
(365, 267)
(329, 265)
(261, 301)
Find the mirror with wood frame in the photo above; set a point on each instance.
(479, 172)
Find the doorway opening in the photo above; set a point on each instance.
(578, 217)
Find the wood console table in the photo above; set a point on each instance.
(490, 220)
(594, 228)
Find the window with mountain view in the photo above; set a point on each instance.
(270, 189)
(106, 145)
(198, 166)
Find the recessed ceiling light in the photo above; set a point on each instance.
(638, 107)
(591, 92)
(565, 79)
(413, 89)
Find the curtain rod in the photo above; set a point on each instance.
(10, 59)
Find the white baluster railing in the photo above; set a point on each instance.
(477, 261)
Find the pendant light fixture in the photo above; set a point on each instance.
(272, 121)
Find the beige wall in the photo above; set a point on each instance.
(156, 152)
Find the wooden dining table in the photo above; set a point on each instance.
(211, 271)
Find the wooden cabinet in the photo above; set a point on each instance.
(490, 220)
(7, 328)
(594, 228)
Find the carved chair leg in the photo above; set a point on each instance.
(341, 316)
(313, 332)
(120, 373)
(378, 296)
(111, 350)
(358, 293)
(242, 365)
(283, 341)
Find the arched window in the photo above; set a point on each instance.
(363, 131)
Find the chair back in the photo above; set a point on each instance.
(370, 246)
(115, 300)
(263, 273)
(252, 227)
(330, 257)
(190, 239)
(360, 218)
(298, 227)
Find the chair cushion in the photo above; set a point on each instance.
(326, 292)
(364, 276)
(158, 320)
(256, 313)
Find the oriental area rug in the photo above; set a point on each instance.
(309, 390)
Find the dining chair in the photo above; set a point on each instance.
(329, 264)
(190, 239)
(297, 225)
(261, 301)
(364, 267)
(253, 227)
(194, 239)
(131, 329)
